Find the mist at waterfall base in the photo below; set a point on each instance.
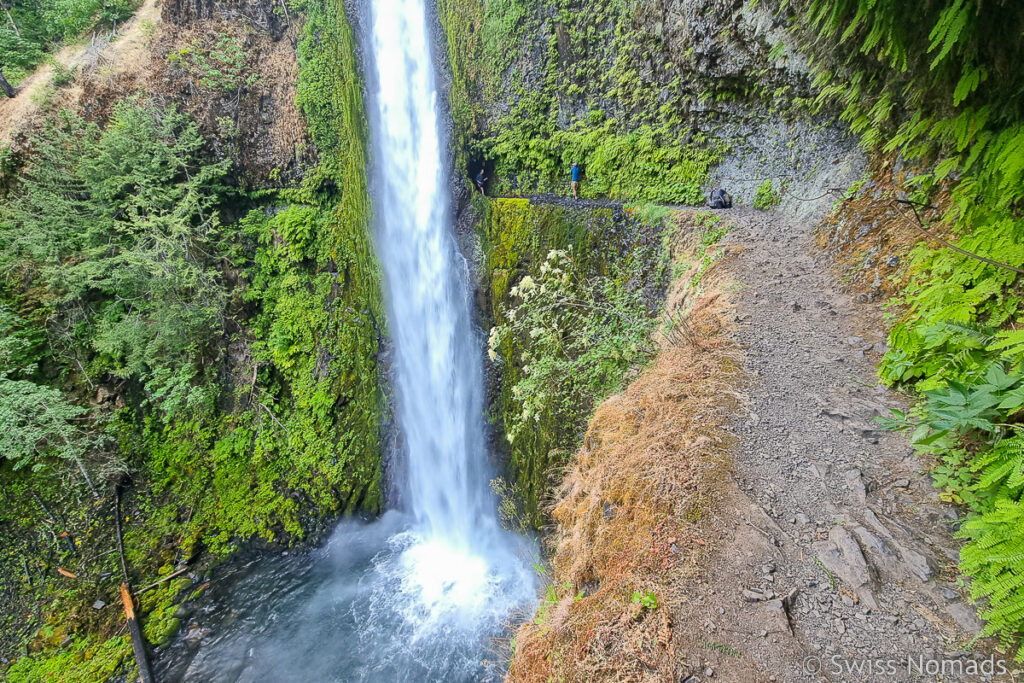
(419, 594)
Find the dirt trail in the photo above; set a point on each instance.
(116, 53)
(834, 549)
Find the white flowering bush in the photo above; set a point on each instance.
(571, 340)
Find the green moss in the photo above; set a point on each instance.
(632, 137)
(159, 606)
(610, 250)
(87, 659)
(290, 435)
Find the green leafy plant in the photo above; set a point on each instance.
(220, 67)
(646, 599)
(766, 197)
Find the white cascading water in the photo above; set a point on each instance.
(437, 374)
(417, 595)
(459, 562)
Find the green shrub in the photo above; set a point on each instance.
(220, 67)
(44, 23)
(577, 336)
(933, 83)
(766, 197)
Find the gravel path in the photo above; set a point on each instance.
(836, 550)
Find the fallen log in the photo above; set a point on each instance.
(138, 642)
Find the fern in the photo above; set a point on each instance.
(1003, 466)
(1010, 345)
(994, 557)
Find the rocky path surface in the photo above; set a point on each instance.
(836, 560)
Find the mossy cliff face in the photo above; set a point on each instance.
(281, 430)
(658, 101)
(609, 257)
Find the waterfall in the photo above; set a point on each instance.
(417, 595)
(437, 373)
(459, 559)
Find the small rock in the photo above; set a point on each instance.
(802, 519)
(949, 593)
(753, 595)
(855, 483)
(99, 604)
(709, 672)
(818, 470)
(196, 633)
(843, 557)
(901, 484)
(721, 610)
(840, 626)
(892, 261)
(797, 307)
(965, 617)
(854, 341)
(918, 563)
(775, 611)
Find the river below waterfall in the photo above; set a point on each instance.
(342, 612)
(417, 595)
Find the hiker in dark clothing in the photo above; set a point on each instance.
(480, 180)
(575, 180)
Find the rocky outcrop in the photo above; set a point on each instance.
(722, 76)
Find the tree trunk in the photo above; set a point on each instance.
(138, 640)
(5, 86)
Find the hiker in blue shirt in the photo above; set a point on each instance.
(480, 179)
(575, 180)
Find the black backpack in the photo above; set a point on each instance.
(720, 199)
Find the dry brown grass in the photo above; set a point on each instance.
(629, 510)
